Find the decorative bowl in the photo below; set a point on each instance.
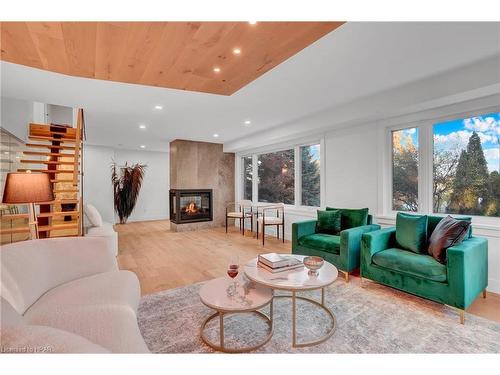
(313, 263)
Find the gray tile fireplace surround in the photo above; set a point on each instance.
(202, 165)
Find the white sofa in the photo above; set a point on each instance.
(67, 295)
(107, 232)
(96, 227)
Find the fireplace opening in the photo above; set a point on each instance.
(189, 205)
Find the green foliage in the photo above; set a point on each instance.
(444, 169)
(276, 177)
(310, 178)
(493, 206)
(126, 186)
(471, 185)
(404, 174)
(247, 177)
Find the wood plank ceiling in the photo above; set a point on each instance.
(178, 55)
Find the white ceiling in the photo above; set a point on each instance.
(352, 62)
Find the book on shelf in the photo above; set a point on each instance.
(274, 260)
(279, 269)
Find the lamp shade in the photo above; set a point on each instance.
(27, 188)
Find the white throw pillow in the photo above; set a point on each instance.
(93, 215)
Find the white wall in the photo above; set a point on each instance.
(97, 188)
(153, 199)
(59, 114)
(152, 203)
(351, 168)
(16, 116)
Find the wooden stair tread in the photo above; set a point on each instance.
(42, 138)
(61, 155)
(42, 214)
(49, 129)
(47, 170)
(14, 216)
(33, 124)
(14, 230)
(58, 213)
(40, 145)
(48, 162)
(48, 228)
(62, 181)
(59, 201)
(74, 190)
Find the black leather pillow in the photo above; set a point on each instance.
(449, 232)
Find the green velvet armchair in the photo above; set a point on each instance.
(342, 250)
(456, 283)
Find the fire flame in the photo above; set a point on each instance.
(191, 208)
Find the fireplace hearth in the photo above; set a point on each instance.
(190, 205)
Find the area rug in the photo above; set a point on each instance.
(370, 319)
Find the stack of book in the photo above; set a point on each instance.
(273, 262)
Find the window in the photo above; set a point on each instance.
(247, 177)
(276, 177)
(405, 169)
(310, 177)
(466, 166)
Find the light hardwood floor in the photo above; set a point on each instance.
(163, 259)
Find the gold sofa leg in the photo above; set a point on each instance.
(461, 313)
(346, 275)
(484, 293)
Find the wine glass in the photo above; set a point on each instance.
(232, 269)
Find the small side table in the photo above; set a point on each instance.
(220, 295)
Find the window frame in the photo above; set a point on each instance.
(426, 162)
(295, 146)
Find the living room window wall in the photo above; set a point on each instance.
(291, 176)
(447, 166)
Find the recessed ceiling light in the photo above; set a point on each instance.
(158, 107)
(252, 22)
(142, 126)
(236, 51)
(216, 135)
(216, 70)
(142, 146)
(247, 122)
(6, 152)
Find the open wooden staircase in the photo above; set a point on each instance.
(56, 150)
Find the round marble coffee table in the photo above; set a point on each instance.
(248, 297)
(295, 281)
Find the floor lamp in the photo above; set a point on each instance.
(28, 188)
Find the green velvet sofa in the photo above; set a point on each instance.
(342, 250)
(456, 283)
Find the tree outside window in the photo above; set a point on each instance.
(405, 170)
(276, 177)
(310, 159)
(247, 177)
(466, 168)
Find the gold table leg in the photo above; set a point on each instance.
(294, 318)
(222, 347)
(322, 305)
(221, 329)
